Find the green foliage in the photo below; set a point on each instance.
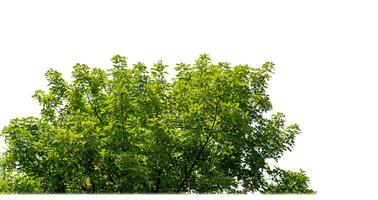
(130, 130)
(288, 182)
(19, 183)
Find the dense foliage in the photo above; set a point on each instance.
(288, 182)
(131, 130)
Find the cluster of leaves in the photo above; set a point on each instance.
(130, 130)
(289, 182)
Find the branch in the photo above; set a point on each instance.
(94, 108)
(60, 114)
(189, 173)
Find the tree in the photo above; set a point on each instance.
(131, 130)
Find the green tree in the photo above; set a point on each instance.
(131, 130)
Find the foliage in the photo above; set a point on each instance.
(131, 130)
(288, 182)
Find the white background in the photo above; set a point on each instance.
(325, 54)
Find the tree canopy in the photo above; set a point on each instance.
(130, 129)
